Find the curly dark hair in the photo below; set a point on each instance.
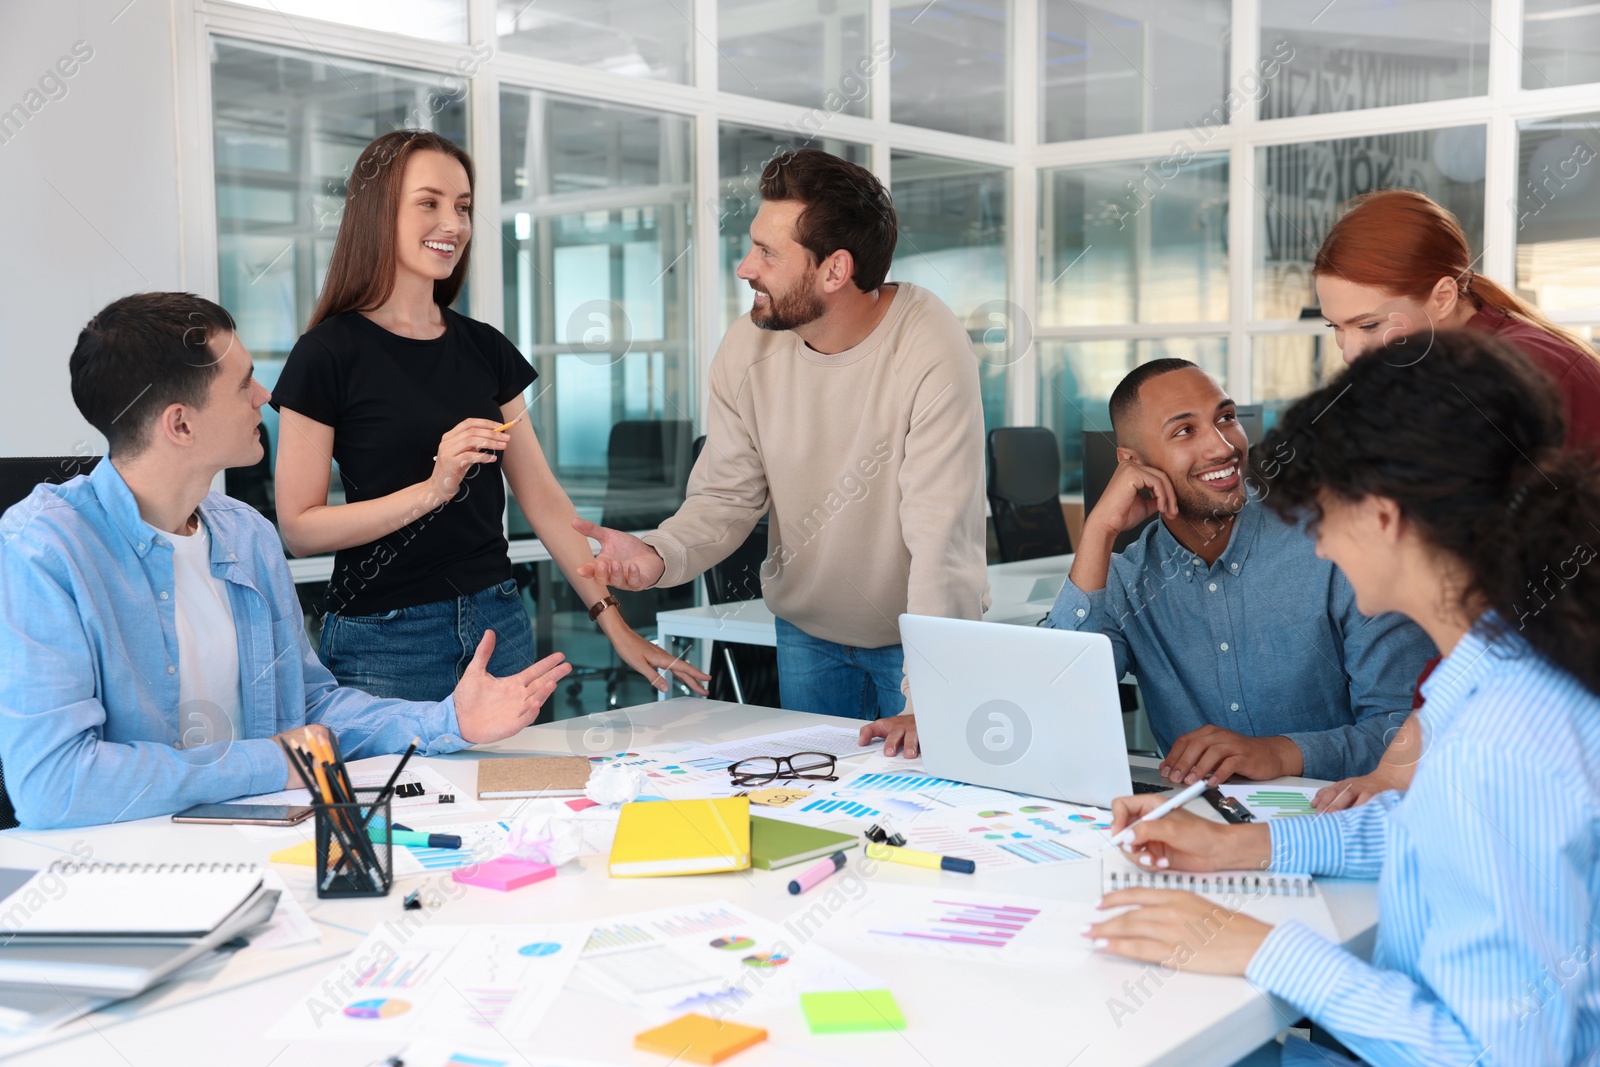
(1468, 442)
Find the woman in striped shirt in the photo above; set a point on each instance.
(1441, 489)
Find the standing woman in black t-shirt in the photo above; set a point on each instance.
(410, 397)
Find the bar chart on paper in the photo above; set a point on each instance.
(841, 806)
(994, 925)
(1273, 802)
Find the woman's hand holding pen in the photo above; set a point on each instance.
(471, 441)
(1183, 841)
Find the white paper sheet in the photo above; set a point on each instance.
(448, 981)
(715, 958)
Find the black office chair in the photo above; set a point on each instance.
(18, 477)
(744, 674)
(1024, 480)
(647, 473)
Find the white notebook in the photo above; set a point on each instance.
(1266, 895)
(140, 900)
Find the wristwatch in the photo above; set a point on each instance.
(599, 606)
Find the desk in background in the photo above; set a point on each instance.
(1020, 593)
(958, 1013)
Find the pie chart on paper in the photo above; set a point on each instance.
(381, 1008)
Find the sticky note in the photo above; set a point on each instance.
(851, 1012)
(696, 1038)
(304, 854)
(504, 873)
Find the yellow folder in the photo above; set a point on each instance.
(681, 837)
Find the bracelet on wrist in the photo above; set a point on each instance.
(599, 607)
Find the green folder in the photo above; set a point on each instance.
(774, 843)
(852, 1012)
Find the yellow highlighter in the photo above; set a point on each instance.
(919, 859)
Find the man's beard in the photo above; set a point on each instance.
(1200, 508)
(791, 310)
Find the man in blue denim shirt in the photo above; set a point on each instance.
(133, 683)
(1250, 652)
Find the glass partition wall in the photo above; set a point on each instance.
(1087, 184)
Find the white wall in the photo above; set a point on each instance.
(89, 195)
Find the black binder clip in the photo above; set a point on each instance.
(409, 789)
(878, 835)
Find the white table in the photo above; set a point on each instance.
(958, 1015)
(1020, 593)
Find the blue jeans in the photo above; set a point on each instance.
(420, 653)
(833, 679)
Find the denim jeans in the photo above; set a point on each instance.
(420, 653)
(833, 679)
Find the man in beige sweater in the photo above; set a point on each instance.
(850, 409)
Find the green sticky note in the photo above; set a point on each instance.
(852, 1012)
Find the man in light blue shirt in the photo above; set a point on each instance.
(130, 687)
(1249, 650)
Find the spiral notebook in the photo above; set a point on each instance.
(1266, 895)
(177, 901)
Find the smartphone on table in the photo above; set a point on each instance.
(246, 814)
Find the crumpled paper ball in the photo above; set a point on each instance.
(548, 831)
(613, 786)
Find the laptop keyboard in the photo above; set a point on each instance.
(1150, 787)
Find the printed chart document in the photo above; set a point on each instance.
(714, 958)
(1272, 801)
(446, 981)
(1001, 928)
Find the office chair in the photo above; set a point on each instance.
(744, 674)
(18, 477)
(647, 474)
(1024, 480)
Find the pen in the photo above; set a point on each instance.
(1125, 835)
(502, 428)
(919, 859)
(389, 785)
(816, 873)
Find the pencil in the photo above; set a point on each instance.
(504, 426)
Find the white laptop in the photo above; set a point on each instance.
(1021, 708)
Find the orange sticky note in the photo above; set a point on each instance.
(699, 1038)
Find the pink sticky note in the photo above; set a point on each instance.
(581, 804)
(504, 873)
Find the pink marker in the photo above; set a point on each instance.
(816, 873)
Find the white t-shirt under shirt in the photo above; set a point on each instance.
(208, 645)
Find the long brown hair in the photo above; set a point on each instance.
(361, 273)
(1403, 242)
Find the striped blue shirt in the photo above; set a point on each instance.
(1487, 878)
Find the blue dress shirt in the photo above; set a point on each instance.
(1265, 642)
(89, 722)
(1488, 878)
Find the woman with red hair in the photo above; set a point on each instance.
(1395, 268)
(1396, 264)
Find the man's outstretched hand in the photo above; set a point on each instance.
(624, 562)
(899, 733)
(489, 708)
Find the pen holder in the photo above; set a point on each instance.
(349, 862)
